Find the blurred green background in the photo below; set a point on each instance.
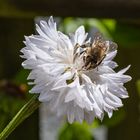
(125, 123)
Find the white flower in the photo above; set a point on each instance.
(62, 79)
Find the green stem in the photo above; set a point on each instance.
(24, 113)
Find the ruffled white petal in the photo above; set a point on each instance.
(79, 37)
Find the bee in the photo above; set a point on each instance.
(94, 53)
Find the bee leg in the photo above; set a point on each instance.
(82, 52)
(88, 66)
(75, 51)
(76, 47)
(80, 80)
(85, 45)
(101, 60)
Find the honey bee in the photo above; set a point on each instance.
(94, 53)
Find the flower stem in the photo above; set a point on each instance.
(24, 113)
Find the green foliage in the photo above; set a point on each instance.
(12, 97)
(21, 76)
(127, 35)
(9, 106)
(75, 131)
(118, 117)
(138, 86)
(106, 27)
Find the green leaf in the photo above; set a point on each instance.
(117, 117)
(75, 131)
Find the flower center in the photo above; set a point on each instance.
(85, 58)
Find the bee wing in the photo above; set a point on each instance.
(98, 37)
(108, 46)
(112, 46)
